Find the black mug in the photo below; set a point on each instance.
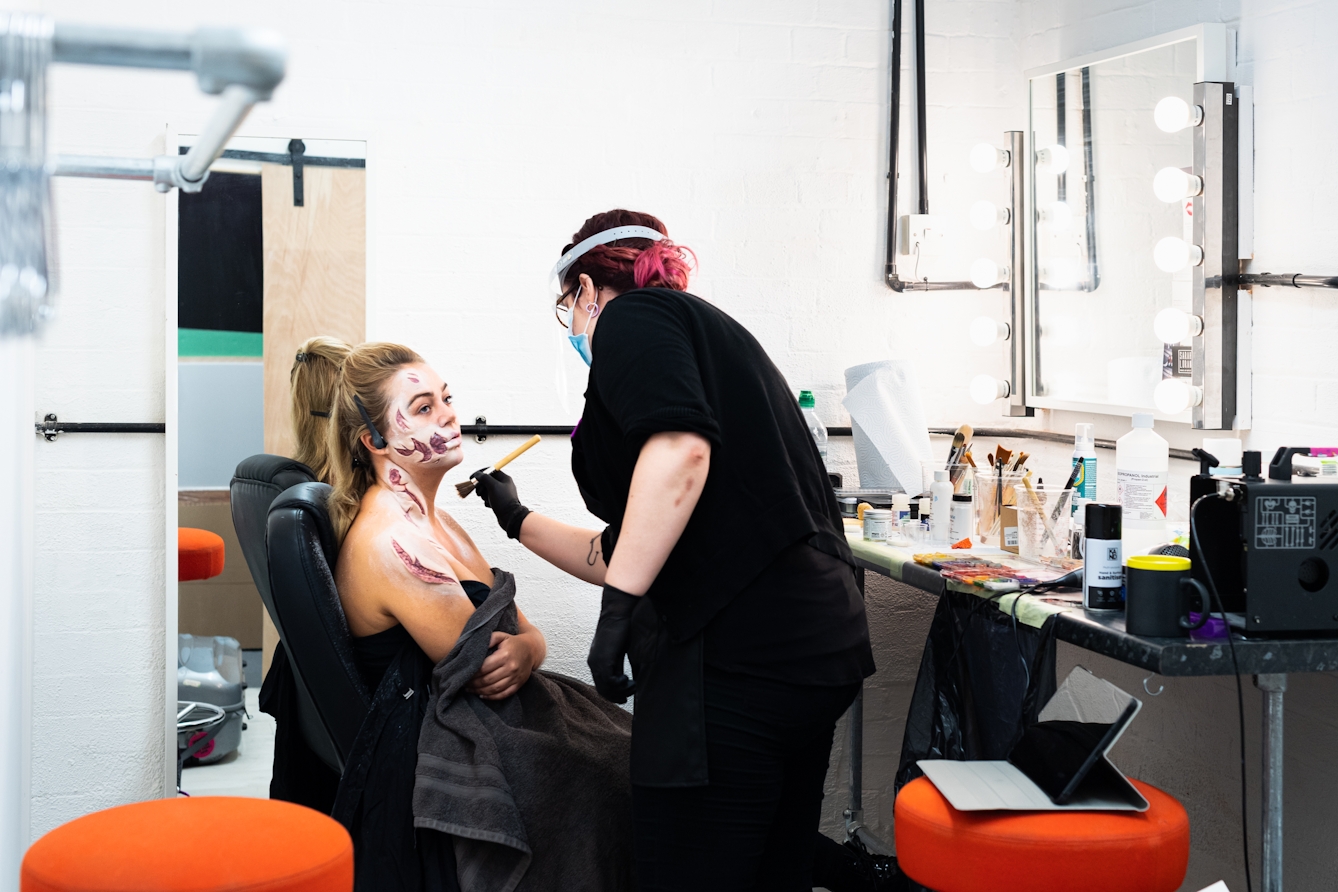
(1158, 596)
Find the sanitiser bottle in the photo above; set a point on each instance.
(1142, 460)
(815, 425)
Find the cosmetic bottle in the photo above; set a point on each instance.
(1084, 453)
(940, 494)
(1142, 460)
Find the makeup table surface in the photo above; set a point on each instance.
(1103, 632)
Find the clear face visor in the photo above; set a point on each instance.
(560, 269)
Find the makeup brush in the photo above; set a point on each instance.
(960, 442)
(464, 489)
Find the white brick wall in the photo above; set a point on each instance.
(755, 128)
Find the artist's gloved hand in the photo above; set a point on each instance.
(610, 645)
(498, 492)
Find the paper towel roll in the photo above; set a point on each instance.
(888, 423)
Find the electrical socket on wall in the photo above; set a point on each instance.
(928, 231)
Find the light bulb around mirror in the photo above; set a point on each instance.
(1057, 215)
(1173, 184)
(1174, 114)
(1172, 254)
(985, 157)
(987, 215)
(1173, 326)
(1173, 395)
(985, 330)
(985, 273)
(1053, 159)
(985, 389)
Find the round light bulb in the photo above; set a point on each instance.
(1054, 159)
(1173, 326)
(985, 330)
(985, 273)
(985, 215)
(1174, 114)
(1173, 184)
(985, 157)
(1172, 254)
(1173, 396)
(985, 389)
(1057, 215)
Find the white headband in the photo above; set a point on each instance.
(599, 238)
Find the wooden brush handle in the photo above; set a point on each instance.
(516, 453)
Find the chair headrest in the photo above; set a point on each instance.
(272, 470)
(311, 499)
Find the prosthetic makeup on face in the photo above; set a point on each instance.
(423, 428)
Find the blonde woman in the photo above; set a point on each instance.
(312, 382)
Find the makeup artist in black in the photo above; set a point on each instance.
(726, 575)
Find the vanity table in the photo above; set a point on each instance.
(1269, 661)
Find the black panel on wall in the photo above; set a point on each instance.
(220, 250)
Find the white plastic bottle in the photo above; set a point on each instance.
(940, 494)
(807, 405)
(1142, 460)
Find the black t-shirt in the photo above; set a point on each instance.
(668, 361)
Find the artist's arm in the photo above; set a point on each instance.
(666, 484)
(572, 549)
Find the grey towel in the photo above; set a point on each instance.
(536, 788)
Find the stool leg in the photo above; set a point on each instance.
(1273, 685)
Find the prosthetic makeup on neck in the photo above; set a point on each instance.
(422, 437)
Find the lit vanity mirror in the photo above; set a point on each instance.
(1112, 154)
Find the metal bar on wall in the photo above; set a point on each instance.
(1216, 232)
(1016, 404)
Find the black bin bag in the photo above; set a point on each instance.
(982, 679)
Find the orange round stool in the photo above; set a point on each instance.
(208, 844)
(199, 554)
(993, 851)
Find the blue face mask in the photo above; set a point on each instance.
(581, 342)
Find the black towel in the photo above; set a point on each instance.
(535, 789)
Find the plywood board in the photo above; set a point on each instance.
(228, 604)
(315, 284)
(315, 275)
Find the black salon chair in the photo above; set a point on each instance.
(311, 622)
(257, 482)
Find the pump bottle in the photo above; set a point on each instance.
(940, 493)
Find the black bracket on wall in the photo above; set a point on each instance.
(296, 149)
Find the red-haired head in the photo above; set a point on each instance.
(629, 263)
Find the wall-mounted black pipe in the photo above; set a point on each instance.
(1288, 280)
(51, 427)
(1089, 171)
(890, 277)
(1062, 127)
(921, 126)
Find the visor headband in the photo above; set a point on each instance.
(599, 238)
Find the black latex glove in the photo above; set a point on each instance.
(498, 492)
(610, 645)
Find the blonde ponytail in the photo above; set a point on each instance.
(365, 372)
(312, 382)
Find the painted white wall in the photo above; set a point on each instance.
(755, 128)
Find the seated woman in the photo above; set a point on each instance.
(524, 774)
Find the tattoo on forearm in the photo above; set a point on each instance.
(594, 552)
(415, 566)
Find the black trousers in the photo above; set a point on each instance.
(753, 827)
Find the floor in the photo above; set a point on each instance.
(245, 772)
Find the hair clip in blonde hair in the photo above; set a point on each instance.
(302, 357)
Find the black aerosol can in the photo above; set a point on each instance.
(1103, 563)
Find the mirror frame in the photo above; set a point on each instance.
(1215, 46)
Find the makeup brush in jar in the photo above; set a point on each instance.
(465, 488)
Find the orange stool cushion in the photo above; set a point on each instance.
(954, 851)
(206, 844)
(199, 554)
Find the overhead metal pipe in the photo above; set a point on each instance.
(1288, 280)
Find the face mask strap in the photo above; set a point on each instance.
(378, 441)
(599, 238)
